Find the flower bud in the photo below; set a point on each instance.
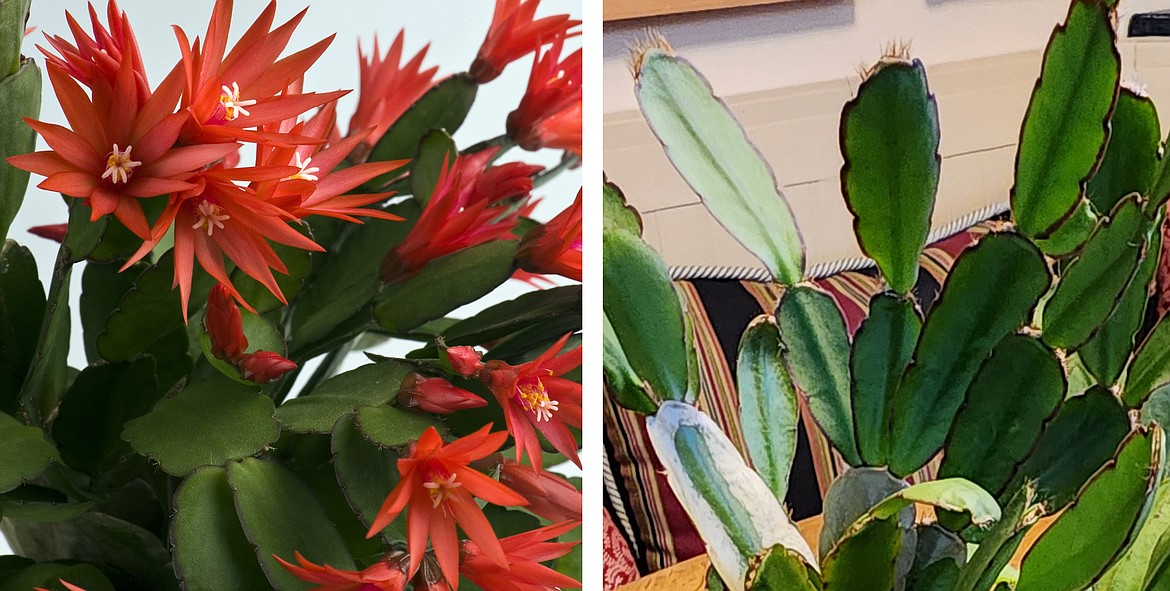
(54, 232)
(549, 495)
(466, 361)
(436, 395)
(264, 366)
(224, 325)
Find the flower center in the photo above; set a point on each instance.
(211, 216)
(306, 172)
(534, 397)
(233, 107)
(119, 166)
(441, 488)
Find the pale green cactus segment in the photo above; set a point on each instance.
(736, 513)
(20, 97)
(709, 148)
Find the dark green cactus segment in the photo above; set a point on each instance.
(867, 559)
(882, 349)
(1084, 435)
(644, 311)
(768, 407)
(1075, 551)
(850, 496)
(1017, 389)
(1106, 354)
(938, 556)
(1071, 234)
(780, 569)
(13, 18)
(1067, 122)
(1150, 367)
(621, 381)
(991, 292)
(1131, 155)
(817, 351)
(710, 150)
(1092, 285)
(889, 140)
(20, 97)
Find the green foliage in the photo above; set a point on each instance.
(891, 192)
(768, 407)
(711, 151)
(882, 348)
(20, 97)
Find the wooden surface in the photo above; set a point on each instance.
(624, 9)
(690, 575)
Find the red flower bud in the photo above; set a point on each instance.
(549, 114)
(465, 360)
(224, 325)
(549, 495)
(264, 366)
(555, 248)
(436, 395)
(54, 232)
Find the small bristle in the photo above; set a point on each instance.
(649, 39)
(893, 52)
(1135, 86)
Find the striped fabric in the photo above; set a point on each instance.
(638, 497)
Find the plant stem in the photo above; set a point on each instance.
(503, 142)
(568, 161)
(46, 374)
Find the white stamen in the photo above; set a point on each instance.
(210, 215)
(306, 172)
(441, 489)
(233, 107)
(534, 397)
(119, 165)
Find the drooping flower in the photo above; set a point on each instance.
(549, 495)
(54, 232)
(115, 154)
(470, 205)
(555, 247)
(466, 361)
(535, 398)
(388, 87)
(525, 552)
(436, 395)
(438, 489)
(514, 33)
(228, 92)
(549, 115)
(388, 574)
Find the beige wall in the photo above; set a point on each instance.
(786, 70)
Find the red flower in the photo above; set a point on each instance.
(230, 91)
(555, 248)
(436, 395)
(224, 325)
(387, 88)
(535, 398)
(116, 153)
(438, 485)
(525, 552)
(549, 115)
(549, 495)
(54, 232)
(466, 361)
(95, 61)
(515, 33)
(388, 574)
(470, 205)
(264, 366)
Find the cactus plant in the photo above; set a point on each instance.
(993, 377)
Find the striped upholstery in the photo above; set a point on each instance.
(638, 497)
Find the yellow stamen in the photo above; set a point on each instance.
(233, 107)
(534, 397)
(441, 488)
(211, 216)
(119, 166)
